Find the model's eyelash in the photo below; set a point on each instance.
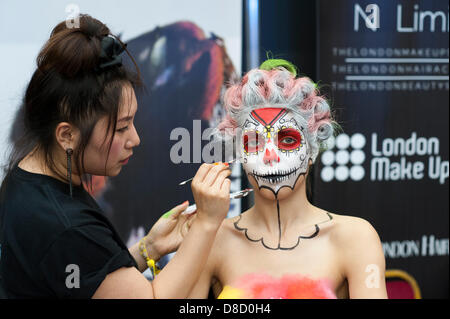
(122, 129)
(293, 139)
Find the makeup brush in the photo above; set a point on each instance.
(190, 179)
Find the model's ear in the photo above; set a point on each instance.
(67, 135)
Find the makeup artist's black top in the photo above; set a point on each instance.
(49, 240)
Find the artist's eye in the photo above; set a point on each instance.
(288, 139)
(123, 129)
(253, 142)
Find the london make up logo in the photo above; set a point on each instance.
(344, 158)
(413, 157)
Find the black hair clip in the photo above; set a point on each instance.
(109, 55)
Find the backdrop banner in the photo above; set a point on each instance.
(384, 67)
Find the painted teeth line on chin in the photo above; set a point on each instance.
(275, 180)
(282, 172)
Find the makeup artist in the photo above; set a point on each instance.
(55, 241)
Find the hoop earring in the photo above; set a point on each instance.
(69, 153)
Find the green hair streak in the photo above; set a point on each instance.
(275, 63)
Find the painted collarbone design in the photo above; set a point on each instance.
(279, 247)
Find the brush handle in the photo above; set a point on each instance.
(184, 182)
(190, 179)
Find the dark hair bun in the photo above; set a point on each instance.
(73, 51)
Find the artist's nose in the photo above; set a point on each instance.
(270, 156)
(134, 140)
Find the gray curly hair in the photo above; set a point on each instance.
(277, 86)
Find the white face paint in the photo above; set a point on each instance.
(274, 149)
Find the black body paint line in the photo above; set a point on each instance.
(261, 240)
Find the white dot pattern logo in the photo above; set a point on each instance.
(327, 174)
(342, 141)
(357, 157)
(328, 158)
(344, 158)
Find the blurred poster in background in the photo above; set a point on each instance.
(187, 52)
(384, 66)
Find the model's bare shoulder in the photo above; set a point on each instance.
(354, 235)
(223, 245)
(225, 236)
(228, 228)
(346, 231)
(360, 254)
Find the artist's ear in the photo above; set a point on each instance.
(67, 135)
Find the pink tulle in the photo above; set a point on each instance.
(263, 286)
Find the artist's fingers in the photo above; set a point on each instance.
(201, 174)
(220, 178)
(176, 211)
(213, 174)
(226, 185)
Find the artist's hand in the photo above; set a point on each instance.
(211, 190)
(168, 232)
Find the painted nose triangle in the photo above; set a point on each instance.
(270, 156)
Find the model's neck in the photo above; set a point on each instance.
(282, 212)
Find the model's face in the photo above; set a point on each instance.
(124, 140)
(275, 152)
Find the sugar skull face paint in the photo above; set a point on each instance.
(274, 151)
